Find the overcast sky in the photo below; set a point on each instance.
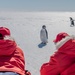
(37, 5)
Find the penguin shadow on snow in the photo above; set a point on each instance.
(42, 45)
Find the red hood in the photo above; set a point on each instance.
(68, 47)
(7, 47)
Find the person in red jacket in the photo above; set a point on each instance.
(11, 56)
(62, 62)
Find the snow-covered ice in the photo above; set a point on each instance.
(25, 28)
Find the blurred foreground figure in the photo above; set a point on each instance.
(11, 56)
(62, 62)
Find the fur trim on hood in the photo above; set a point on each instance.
(9, 38)
(63, 41)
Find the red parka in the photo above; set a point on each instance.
(63, 61)
(11, 57)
